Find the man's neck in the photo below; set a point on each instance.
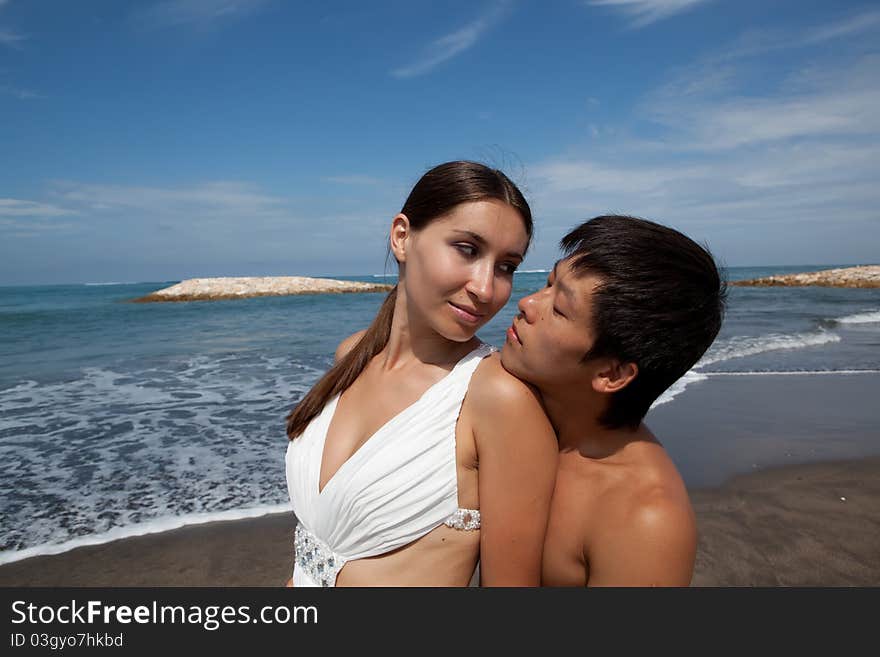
(576, 422)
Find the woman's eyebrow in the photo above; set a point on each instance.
(481, 241)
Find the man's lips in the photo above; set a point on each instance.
(467, 314)
(512, 335)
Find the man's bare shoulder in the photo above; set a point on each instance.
(662, 512)
(654, 489)
(644, 531)
(348, 344)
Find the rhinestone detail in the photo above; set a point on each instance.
(319, 562)
(464, 519)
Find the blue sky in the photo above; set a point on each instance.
(161, 140)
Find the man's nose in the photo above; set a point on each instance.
(526, 307)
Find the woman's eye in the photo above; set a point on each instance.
(508, 267)
(556, 312)
(467, 249)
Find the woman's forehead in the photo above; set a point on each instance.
(493, 222)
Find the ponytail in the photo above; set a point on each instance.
(344, 372)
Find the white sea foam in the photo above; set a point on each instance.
(679, 387)
(740, 346)
(791, 372)
(151, 527)
(869, 317)
(114, 449)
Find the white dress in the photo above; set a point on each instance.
(398, 486)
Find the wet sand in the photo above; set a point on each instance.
(780, 527)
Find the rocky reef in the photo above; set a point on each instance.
(210, 289)
(861, 276)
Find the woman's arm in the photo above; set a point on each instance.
(517, 453)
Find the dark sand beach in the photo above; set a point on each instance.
(784, 474)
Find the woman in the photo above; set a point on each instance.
(417, 454)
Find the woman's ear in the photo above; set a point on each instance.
(400, 234)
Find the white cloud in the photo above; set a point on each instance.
(845, 27)
(645, 12)
(354, 179)
(210, 199)
(784, 164)
(452, 44)
(10, 38)
(21, 94)
(706, 108)
(196, 12)
(11, 207)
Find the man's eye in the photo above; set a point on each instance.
(556, 312)
(467, 249)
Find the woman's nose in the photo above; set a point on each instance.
(482, 284)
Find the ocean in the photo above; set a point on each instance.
(119, 419)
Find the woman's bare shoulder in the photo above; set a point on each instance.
(494, 389)
(348, 344)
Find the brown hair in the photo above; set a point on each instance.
(436, 194)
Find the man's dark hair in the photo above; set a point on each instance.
(659, 304)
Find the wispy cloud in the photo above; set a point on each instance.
(171, 13)
(219, 199)
(12, 207)
(712, 103)
(453, 44)
(27, 219)
(848, 26)
(11, 38)
(756, 42)
(21, 94)
(645, 12)
(796, 158)
(8, 37)
(354, 179)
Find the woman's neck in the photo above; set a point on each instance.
(412, 339)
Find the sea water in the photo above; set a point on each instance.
(119, 419)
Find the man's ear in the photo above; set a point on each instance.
(612, 375)
(400, 234)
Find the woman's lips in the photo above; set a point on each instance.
(468, 316)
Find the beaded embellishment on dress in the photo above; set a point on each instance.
(320, 562)
(464, 519)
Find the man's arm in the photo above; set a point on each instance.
(655, 545)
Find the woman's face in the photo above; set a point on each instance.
(458, 270)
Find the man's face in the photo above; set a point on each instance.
(551, 334)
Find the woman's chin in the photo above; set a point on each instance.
(458, 333)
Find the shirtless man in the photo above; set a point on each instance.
(631, 307)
